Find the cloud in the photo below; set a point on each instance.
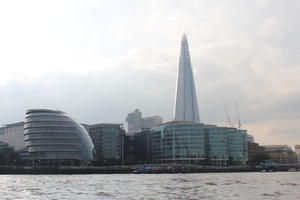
(99, 60)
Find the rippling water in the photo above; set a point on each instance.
(278, 185)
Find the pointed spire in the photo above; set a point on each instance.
(186, 107)
(184, 37)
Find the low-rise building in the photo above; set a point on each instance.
(1, 130)
(108, 141)
(54, 139)
(297, 151)
(216, 140)
(178, 142)
(138, 148)
(13, 134)
(281, 154)
(253, 151)
(197, 143)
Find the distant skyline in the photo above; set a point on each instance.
(99, 60)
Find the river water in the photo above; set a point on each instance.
(254, 186)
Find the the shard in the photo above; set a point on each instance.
(186, 107)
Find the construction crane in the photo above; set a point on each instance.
(228, 118)
(238, 116)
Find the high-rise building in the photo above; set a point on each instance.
(134, 121)
(186, 106)
(150, 122)
(185, 139)
(137, 123)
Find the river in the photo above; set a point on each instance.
(220, 186)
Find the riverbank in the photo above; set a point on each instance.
(167, 169)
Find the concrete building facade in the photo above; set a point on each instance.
(281, 154)
(253, 151)
(137, 123)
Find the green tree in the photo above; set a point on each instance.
(8, 156)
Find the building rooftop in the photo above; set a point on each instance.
(43, 110)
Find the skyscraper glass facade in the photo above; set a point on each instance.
(186, 106)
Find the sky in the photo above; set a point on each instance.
(99, 60)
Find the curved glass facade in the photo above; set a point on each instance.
(178, 142)
(52, 135)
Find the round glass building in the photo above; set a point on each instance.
(54, 139)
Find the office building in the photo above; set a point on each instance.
(250, 138)
(297, 151)
(237, 146)
(1, 130)
(150, 122)
(216, 145)
(13, 134)
(254, 150)
(186, 106)
(54, 139)
(185, 139)
(138, 147)
(178, 142)
(136, 122)
(197, 143)
(281, 154)
(108, 140)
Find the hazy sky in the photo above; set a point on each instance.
(99, 60)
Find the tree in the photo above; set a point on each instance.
(8, 156)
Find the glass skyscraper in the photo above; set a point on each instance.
(186, 106)
(185, 139)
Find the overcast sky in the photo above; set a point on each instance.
(99, 60)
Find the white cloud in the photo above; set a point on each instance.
(240, 50)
